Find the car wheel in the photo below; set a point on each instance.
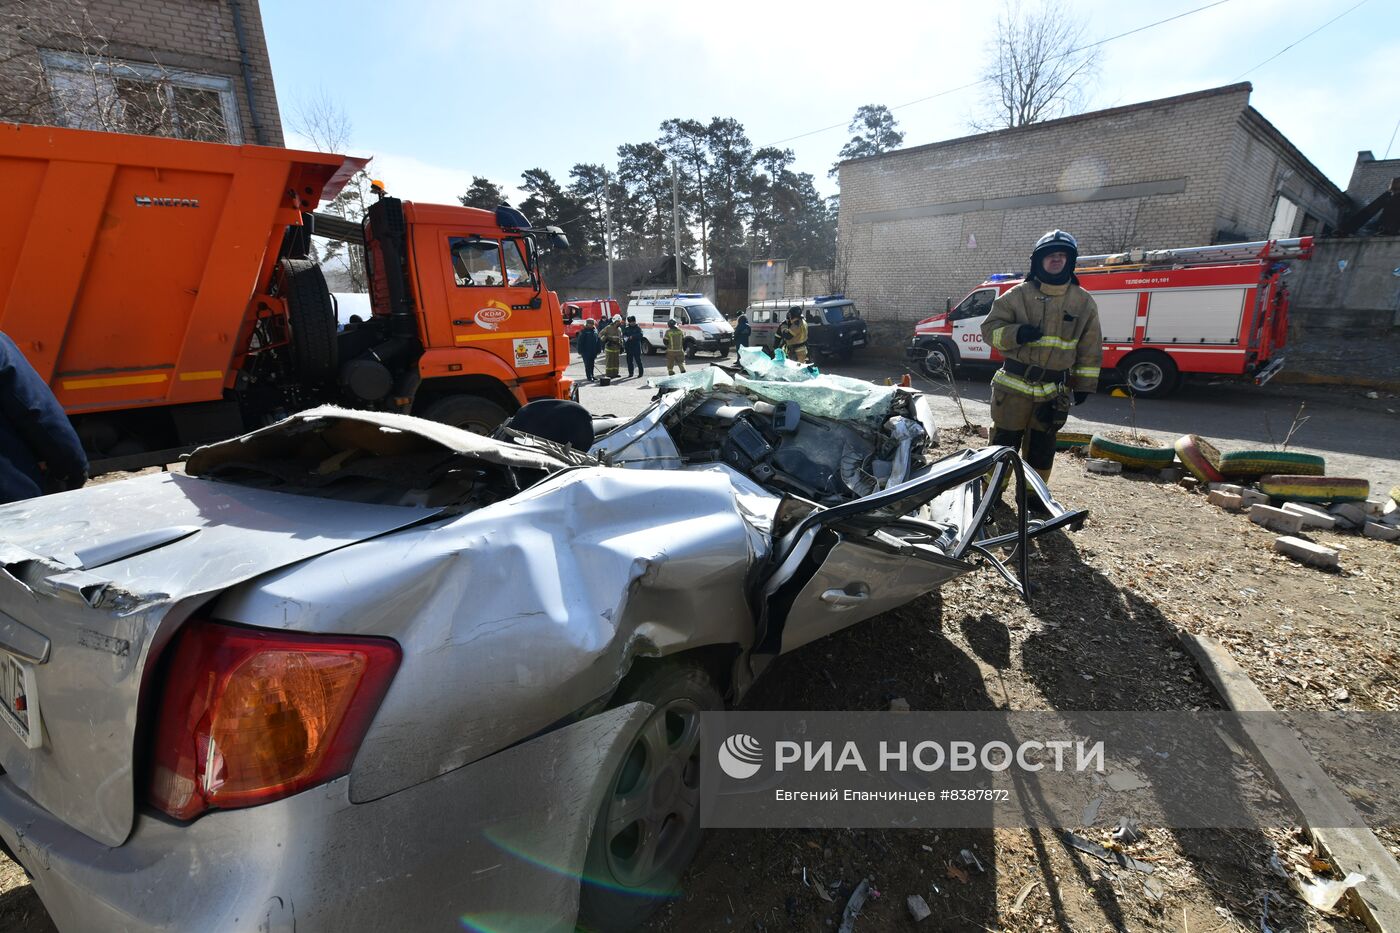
(648, 827)
(938, 361)
(469, 412)
(1150, 375)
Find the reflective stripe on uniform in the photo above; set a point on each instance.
(1058, 343)
(999, 337)
(1017, 384)
(1090, 371)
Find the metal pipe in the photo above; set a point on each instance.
(246, 69)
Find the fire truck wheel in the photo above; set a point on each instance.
(469, 412)
(1150, 374)
(311, 315)
(939, 361)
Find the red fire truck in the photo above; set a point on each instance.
(1164, 313)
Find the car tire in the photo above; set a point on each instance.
(1150, 374)
(311, 316)
(468, 412)
(1255, 463)
(1136, 456)
(637, 856)
(1322, 489)
(1200, 457)
(940, 360)
(691, 348)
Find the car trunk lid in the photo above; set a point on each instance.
(93, 584)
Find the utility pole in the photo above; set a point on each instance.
(676, 218)
(607, 240)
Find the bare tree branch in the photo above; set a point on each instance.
(1039, 65)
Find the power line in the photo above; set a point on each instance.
(964, 87)
(1392, 140)
(1308, 36)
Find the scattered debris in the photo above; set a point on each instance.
(1226, 500)
(1306, 552)
(1106, 467)
(1341, 695)
(968, 859)
(1324, 895)
(918, 908)
(1026, 890)
(1117, 858)
(899, 705)
(1172, 474)
(1125, 781)
(853, 907)
(1091, 812)
(1127, 832)
(957, 873)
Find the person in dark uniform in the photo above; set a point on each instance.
(39, 450)
(589, 343)
(632, 345)
(742, 332)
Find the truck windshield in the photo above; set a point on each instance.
(835, 314)
(702, 312)
(475, 261)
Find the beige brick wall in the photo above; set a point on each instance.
(1261, 169)
(1371, 176)
(929, 223)
(180, 35)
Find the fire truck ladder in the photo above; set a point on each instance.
(1260, 250)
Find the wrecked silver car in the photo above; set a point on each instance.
(364, 671)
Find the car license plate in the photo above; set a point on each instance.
(859, 342)
(18, 699)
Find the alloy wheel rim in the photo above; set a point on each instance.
(656, 797)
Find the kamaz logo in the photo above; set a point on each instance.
(143, 201)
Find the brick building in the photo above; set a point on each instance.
(1370, 177)
(921, 224)
(190, 68)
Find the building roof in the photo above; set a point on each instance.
(1243, 86)
(627, 274)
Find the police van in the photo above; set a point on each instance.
(705, 329)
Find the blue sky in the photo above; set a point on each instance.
(440, 90)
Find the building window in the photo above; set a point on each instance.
(131, 97)
(1285, 213)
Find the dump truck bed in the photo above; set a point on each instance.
(128, 263)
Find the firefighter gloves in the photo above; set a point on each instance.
(1028, 333)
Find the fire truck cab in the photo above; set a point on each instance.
(1164, 313)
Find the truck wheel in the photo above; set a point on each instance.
(1150, 374)
(938, 361)
(468, 412)
(691, 348)
(648, 827)
(311, 314)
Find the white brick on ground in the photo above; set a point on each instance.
(1231, 488)
(1382, 532)
(1350, 515)
(918, 908)
(1375, 508)
(1253, 497)
(1307, 552)
(1312, 516)
(1107, 467)
(1226, 500)
(1276, 519)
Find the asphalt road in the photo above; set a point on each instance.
(1359, 436)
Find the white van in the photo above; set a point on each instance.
(704, 327)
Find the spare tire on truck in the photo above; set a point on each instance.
(311, 316)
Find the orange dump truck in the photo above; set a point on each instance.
(165, 290)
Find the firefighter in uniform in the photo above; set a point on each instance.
(794, 332)
(612, 346)
(1047, 330)
(675, 347)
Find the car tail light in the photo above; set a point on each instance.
(252, 715)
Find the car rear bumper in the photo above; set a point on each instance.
(501, 838)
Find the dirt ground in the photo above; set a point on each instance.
(1153, 560)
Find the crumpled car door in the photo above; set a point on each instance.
(833, 567)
